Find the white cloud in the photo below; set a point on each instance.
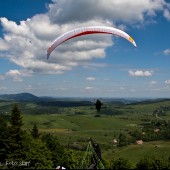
(166, 52)
(29, 40)
(90, 78)
(133, 11)
(13, 73)
(3, 45)
(28, 43)
(167, 81)
(140, 73)
(167, 14)
(18, 74)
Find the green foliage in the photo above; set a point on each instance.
(22, 147)
(60, 156)
(57, 150)
(17, 145)
(15, 139)
(120, 163)
(72, 159)
(3, 138)
(38, 155)
(16, 119)
(106, 163)
(35, 132)
(153, 163)
(123, 140)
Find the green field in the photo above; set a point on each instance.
(70, 129)
(134, 153)
(75, 125)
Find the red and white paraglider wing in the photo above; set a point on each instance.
(88, 30)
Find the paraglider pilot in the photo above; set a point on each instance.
(98, 105)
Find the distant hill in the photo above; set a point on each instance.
(20, 97)
(45, 102)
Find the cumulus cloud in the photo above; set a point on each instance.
(17, 75)
(25, 43)
(133, 11)
(167, 14)
(166, 52)
(140, 73)
(3, 45)
(28, 43)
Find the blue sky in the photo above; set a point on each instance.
(88, 66)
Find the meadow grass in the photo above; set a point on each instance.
(77, 123)
(159, 149)
(102, 129)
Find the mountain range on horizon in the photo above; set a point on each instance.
(19, 96)
(32, 97)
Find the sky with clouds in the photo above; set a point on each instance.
(97, 65)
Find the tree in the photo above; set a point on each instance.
(34, 132)
(61, 156)
(3, 138)
(38, 155)
(145, 163)
(72, 159)
(23, 147)
(16, 119)
(57, 150)
(15, 140)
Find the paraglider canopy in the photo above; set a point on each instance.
(88, 30)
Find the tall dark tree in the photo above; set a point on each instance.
(35, 132)
(22, 147)
(15, 144)
(16, 119)
(3, 138)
